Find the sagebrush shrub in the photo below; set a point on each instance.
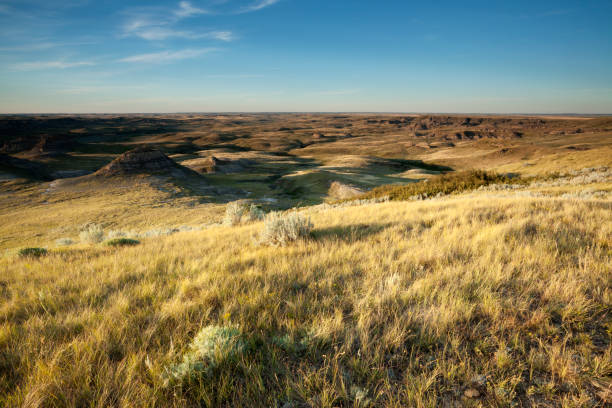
(237, 212)
(91, 233)
(112, 234)
(64, 242)
(211, 346)
(233, 213)
(254, 213)
(282, 228)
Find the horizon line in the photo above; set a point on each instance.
(309, 112)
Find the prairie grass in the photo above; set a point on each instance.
(416, 304)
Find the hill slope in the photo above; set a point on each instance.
(475, 299)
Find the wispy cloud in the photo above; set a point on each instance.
(222, 35)
(186, 9)
(43, 45)
(156, 24)
(261, 4)
(258, 5)
(153, 33)
(167, 56)
(40, 65)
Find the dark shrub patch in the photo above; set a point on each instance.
(443, 184)
(116, 242)
(32, 252)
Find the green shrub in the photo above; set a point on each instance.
(282, 228)
(116, 242)
(254, 213)
(211, 346)
(32, 252)
(444, 184)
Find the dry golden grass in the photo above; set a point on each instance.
(31, 216)
(506, 300)
(495, 297)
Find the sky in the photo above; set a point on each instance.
(111, 56)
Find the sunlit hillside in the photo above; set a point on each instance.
(494, 298)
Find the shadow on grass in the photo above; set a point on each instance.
(351, 233)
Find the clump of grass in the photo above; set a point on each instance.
(32, 252)
(64, 242)
(233, 213)
(283, 228)
(210, 347)
(441, 185)
(91, 233)
(117, 242)
(237, 212)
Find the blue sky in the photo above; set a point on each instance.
(306, 55)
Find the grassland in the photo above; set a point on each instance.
(395, 304)
(496, 292)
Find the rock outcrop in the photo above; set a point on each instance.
(142, 160)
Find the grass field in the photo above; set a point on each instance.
(492, 290)
(395, 304)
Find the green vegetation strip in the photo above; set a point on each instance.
(444, 184)
(32, 252)
(116, 242)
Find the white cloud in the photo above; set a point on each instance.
(164, 33)
(154, 26)
(222, 35)
(38, 65)
(167, 56)
(187, 10)
(258, 5)
(43, 45)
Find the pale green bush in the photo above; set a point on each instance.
(254, 213)
(282, 228)
(91, 233)
(64, 242)
(211, 346)
(238, 212)
(112, 234)
(233, 213)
